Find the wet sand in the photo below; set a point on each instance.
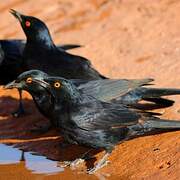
(123, 39)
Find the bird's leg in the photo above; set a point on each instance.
(20, 111)
(102, 162)
(22, 156)
(78, 161)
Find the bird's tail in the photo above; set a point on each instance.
(153, 125)
(69, 46)
(150, 94)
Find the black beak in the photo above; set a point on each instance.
(42, 83)
(16, 14)
(12, 85)
(45, 85)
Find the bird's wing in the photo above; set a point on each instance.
(105, 116)
(12, 49)
(1, 55)
(108, 89)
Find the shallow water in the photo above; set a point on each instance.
(36, 164)
(15, 164)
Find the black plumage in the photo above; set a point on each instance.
(87, 121)
(128, 92)
(41, 53)
(11, 55)
(11, 52)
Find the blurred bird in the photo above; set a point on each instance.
(11, 53)
(87, 121)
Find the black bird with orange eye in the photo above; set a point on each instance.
(129, 92)
(87, 121)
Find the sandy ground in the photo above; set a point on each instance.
(123, 39)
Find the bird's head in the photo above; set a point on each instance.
(62, 90)
(36, 82)
(29, 81)
(34, 29)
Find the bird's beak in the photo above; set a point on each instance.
(12, 85)
(41, 83)
(16, 14)
(45, 85)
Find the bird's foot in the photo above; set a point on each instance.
(76, 162)
(64, 164)
(72, 164)
(19, 112)
(97, 167)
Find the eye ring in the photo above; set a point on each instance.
(29, 80)
(28, 23)
(57, 85)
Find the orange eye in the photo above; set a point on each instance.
(57, 85)
(27, 23)
(29, 80)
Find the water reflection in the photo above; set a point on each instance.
(37, 164)
(16, 163)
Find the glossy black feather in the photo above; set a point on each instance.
(85, 120)
(128, 92)
(41, 53)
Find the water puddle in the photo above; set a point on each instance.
(36, 164)
(15, 164)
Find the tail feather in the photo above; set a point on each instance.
(69, 46)
(150, 126)
(149, 94)
(161, 124)
(155, 92)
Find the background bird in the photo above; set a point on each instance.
(41, 53)
(87, 121)
(11, 55)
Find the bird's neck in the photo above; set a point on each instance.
(43, 102)
(43, 40)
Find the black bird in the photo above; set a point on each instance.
(11, 54)
(41, 53)
(87, 121)
(128, 92)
